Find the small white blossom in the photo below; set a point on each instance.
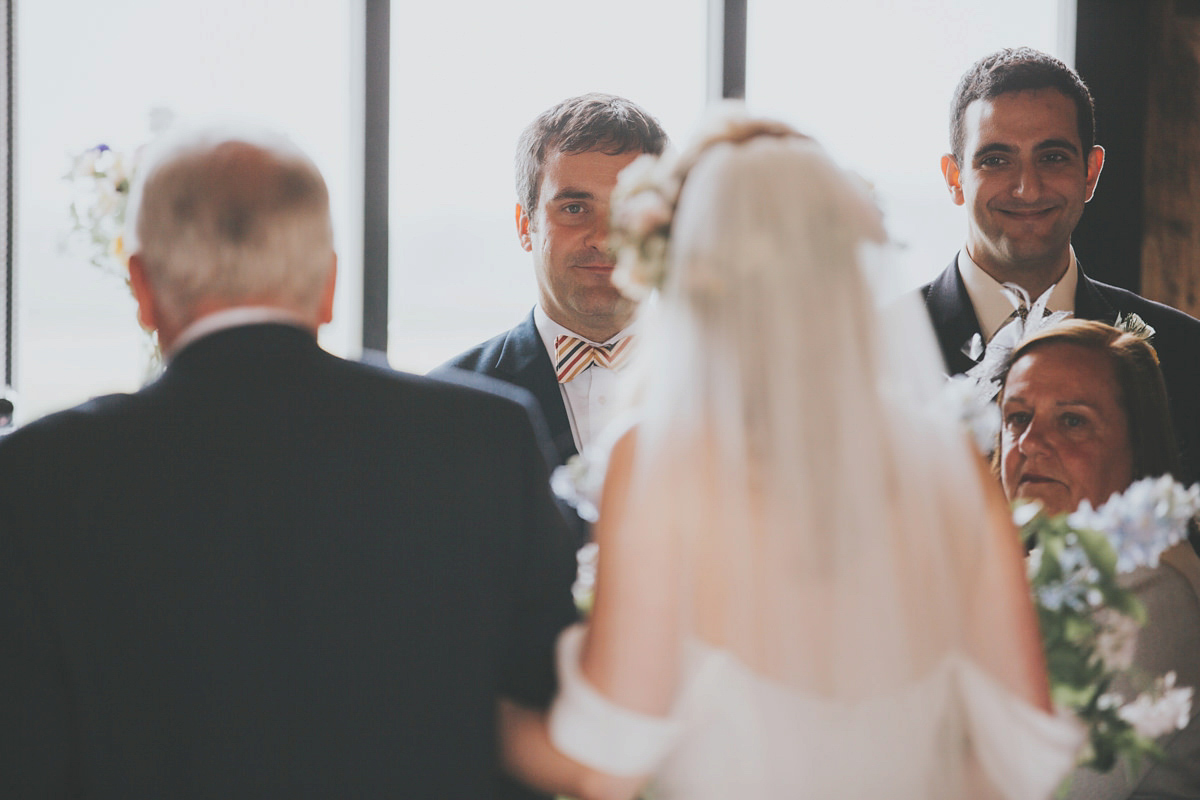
(1116, 642)
(1161, 710)
(578, 482)
(1033, 562)
(975, 410)
(1024, 513)
(585, 577)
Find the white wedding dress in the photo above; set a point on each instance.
(734, 734)
(802, 572)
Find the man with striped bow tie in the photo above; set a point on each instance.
(567, 350)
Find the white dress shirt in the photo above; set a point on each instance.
(992, 306)
(591, 397)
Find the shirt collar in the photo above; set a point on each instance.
(233, 318)
(991, 305)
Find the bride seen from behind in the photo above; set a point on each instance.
(808, 584)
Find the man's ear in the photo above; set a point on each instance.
(325, 309)
(523, 229)
(148, 312)
(1095, 163)
(953, 178)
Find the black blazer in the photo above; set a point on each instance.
(519, 357)
(1176, 339)
(274, 573)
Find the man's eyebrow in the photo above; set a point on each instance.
(571, 194)
(1057, 144)
(992, 147)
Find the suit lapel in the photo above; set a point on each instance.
(953, 317)
(525, 363)
(1090, 303)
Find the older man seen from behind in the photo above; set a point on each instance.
(272, 572)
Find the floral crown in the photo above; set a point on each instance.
(647, 194)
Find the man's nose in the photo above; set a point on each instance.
(597, 234)
(1028, 184)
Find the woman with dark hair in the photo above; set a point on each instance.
(1084, 414)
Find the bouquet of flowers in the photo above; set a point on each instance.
(1089, 622)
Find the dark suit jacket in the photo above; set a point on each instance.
(1176, 339)
(519, 357)
(274, 573)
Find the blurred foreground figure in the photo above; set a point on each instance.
(808, 584)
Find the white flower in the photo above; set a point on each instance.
(1116, 642)
(1161, 710)
(643, 206)
(585, 577)
(578, 482)
(1143, 521)
(1033, 562)
(975, 409)
(1024, 513)
(643, 213)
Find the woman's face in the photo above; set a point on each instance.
(1065, 438)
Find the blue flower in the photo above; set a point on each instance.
(1150, 516)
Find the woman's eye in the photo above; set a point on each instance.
(1073, 420)
(1016, 419)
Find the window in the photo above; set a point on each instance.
(464, 86)
(872, 81)
(286, 63)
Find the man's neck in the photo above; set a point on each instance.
(594, 331)
(1034, 277)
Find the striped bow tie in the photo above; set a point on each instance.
(573, 355)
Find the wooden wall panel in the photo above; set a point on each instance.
(1171, 216)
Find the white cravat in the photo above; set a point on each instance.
(993, 308)
(591, 397)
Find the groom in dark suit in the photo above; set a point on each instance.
(271, 573)
(567, 164)
(1024, 162)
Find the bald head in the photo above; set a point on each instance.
(221, 219)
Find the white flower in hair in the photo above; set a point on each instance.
(643, 207)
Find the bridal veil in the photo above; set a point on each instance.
(802, 502)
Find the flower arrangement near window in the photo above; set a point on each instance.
(1089, 622)
(100, 179)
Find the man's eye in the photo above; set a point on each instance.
(1056, 158)
(1073, 421)
(991, 161)
(573, 208)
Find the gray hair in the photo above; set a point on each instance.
(230, 215)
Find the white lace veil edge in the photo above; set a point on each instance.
(829, 512)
